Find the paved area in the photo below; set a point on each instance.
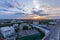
(55, 32)
(27, 32)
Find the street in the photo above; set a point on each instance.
(55, 32)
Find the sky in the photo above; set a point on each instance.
(27, 6)
(48, 6)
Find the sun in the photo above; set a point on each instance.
(36, 4)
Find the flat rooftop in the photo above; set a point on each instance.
(27, 32)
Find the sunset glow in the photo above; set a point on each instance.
(22, 8)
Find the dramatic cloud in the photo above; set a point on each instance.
(48, 7)
(10, 7)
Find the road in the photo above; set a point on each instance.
(55, 32)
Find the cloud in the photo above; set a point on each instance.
(15, 6)
(48, 9)
(10, 7)
(53, 10)
(36, 4)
